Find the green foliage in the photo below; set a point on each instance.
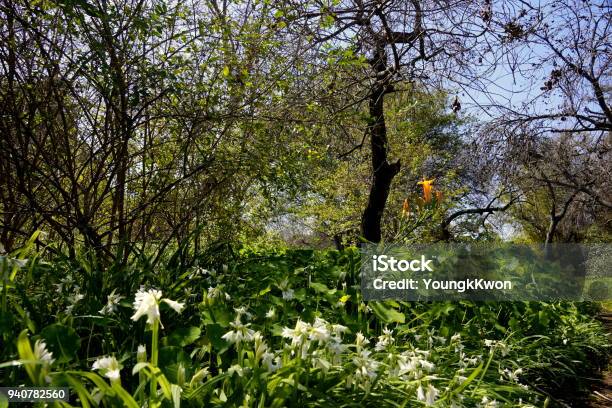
(289, 328)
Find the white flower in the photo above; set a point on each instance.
(318, 331)
(420, 394)
(297, 334)
(493, 344)
(338, 329)
(366, 366)
(337, 348)
(487, 403)
(112, 301)
(384, 340)
(213, 293)
(431, 395)
(364, 308)
(288, 294)
(141, 353)
(176, 306)
(240, 311)
(260, 345)
(42, 354)
(235, 369)
(108, 367)
(240, 333)
(271, 362)
(427, 366)
(146, 302)
(199, 376)
(360, 341)
(271, 314)
(73, 299)
(406, 364)
(512, 375)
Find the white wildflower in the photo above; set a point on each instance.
(407, 365)
(427, 365)
(487, 403)
(73, 299)
(318, 331)
(235, 369)
(141, 354)
(420, 394)
(493, 344)
(112, 301)
(366, 366)
(271, 362)
(242, 311)
(337, 348)
(297, 334)
(241, 333)
(384, 340)
(146, 302)
(288, 294)
(431, 395)
(512, 375)
(260, 345)
(199, 376)
(108, 367)
(42, 354)
(360, 341)
(271, 313)
(213, 293)
(338, 329)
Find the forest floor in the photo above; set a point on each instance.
(601, 394)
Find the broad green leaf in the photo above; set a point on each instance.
(62, 341)
(387, 314)
(184, 336)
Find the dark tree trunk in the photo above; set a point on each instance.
(382, 171)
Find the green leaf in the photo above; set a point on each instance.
(213, 334)
(184, 336)
(6, 322)
(319, 287)
(126, 398)
(387, 314)
(25, 353)
(62, 341)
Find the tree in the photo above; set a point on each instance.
(422, 43)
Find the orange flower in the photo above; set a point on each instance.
(426, 188)
(405, 208)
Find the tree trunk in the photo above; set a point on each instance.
(382, 171)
